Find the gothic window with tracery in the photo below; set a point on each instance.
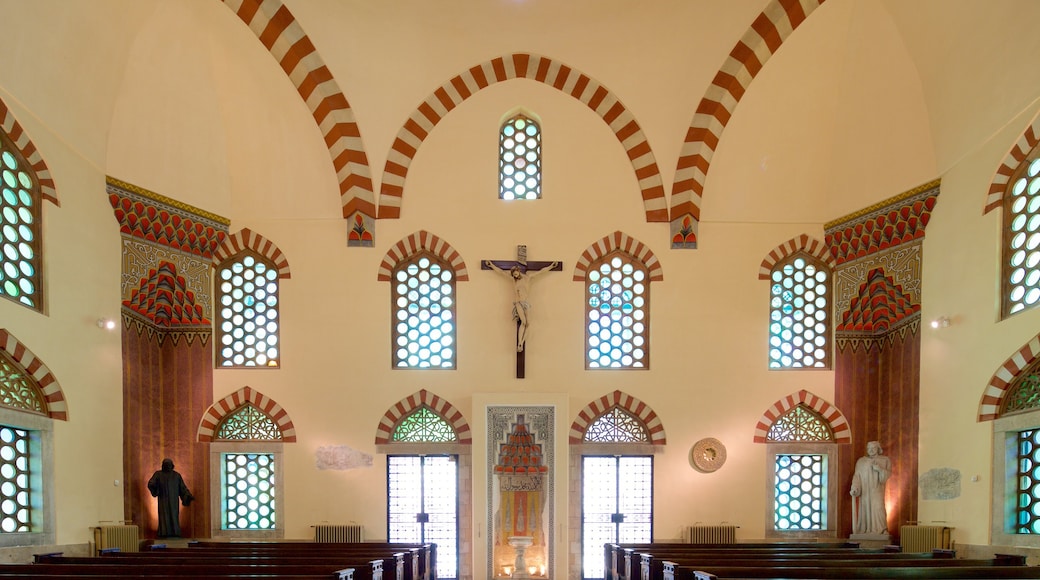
(17, 390)
(424, 426)
(248, 424)
(800, 424)
(520, 159)
(617, 426)
(1024, 392)
(20, 213)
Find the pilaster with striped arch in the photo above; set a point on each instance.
(282, 35)
(408, 405)
(1000, 383)
(213, 416)
(640, 410)
(802, 243)
(834, 417)
(422, 240)
(246, 239)
(57, 407)
(1001, 180)
(767, 33)
(618, 241)
(27, 148)
(532, 67)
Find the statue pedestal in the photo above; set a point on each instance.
(871, 540)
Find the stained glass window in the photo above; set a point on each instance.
(424, 426)
(249, 491)
(1024, 393)
(19, 228)
(17, 389)
(247, 294)
(248, 424)
(520, 159)
(423, 295)
(617, 426)
(799, 319)
(800, 498)
(1021, 264)
(800, 424)
(1027, 513)
(617, 295)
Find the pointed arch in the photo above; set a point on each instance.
(422, 240)
(834, 417)
(1002, 178)
(406, 406)
(802, 243)
(767, 33)
(247, 239)
(999, 384)
(28, 149)
(217, 412)
(638, 409)
(282, 35)
(57, 408)
(532, 67)
(618, 241)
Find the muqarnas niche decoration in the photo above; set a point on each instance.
(341, 457)
(941, 483)
(521, 476)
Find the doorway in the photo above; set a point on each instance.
(423, 505)
(617, 503)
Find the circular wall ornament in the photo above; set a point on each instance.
(708, 455)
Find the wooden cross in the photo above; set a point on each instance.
(521, 272)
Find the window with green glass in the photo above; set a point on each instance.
(19, 228)
(617, 318)
(423, 298)
(1021, 264)
(799, 314)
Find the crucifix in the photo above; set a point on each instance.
(520, 272)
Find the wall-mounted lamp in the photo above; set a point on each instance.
(106, 323)
(941, 322)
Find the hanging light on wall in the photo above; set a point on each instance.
(941, 322)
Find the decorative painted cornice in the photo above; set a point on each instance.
(897, 220)
(879, 307)
(163, 300)
(160, 220)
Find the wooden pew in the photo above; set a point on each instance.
(421, 563)
(825, 572)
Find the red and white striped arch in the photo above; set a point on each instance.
(408, 405)
(28, 150)
(283, 36)
(217, 412)
(637, 408)
(759, 43)
(422, 240)
(57, 408)
(618, 241)
(803, 243)
(1000, 383)
(246, 239)
(1001, 180)
(839, 425)
(532, 67)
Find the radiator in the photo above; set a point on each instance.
(339, 533)
(124, 537)
(720, 534)
(924, 538)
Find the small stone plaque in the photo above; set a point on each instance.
(940, 483)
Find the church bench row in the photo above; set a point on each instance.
(183, 570)
(419, 560)
(826, 572)
(15, 574)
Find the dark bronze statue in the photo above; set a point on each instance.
(169, 487)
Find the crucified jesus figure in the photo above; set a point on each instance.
(521, 290)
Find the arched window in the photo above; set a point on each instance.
(799, 313)
(1021, 264)
(617, 307)
(247, 316)
(520, 159)
(423, 298)
(30, 398)
(246, 431)
(19, 228)
(424, 425)
(801, 432)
